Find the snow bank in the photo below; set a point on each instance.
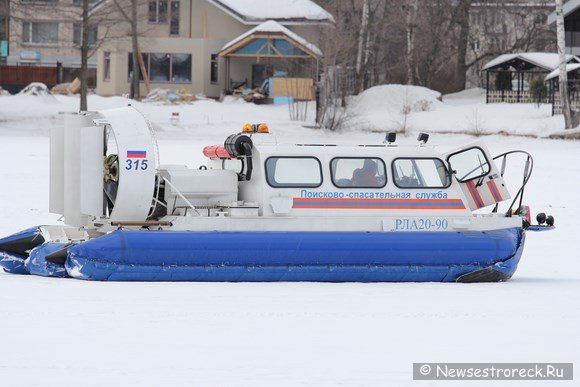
(395, 99)
(35, 89)
(465, 97)
(412, 109)
(386, 107)
(408, 109)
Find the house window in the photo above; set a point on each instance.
(145, 61)
(2, 29)
(159, 67)
(174, 22)
(165, 68)
(107, 65)
(158, 11)
(180, 68)
(40, 33)
(78, 2)
(78, 34)
(214, 68)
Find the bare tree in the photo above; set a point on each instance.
(84, 55)
(128, 10)
(564, 98)
(461, 20)
(411, 9)
(363, 37)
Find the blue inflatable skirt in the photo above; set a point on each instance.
(298, 256)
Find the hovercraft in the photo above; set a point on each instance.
(265, 210)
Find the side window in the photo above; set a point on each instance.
(469, 164)
(420, 173)
(354, 172)
(293, 172)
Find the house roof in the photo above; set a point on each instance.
(270, 29)
(283, 11)
(546, 60)
(569, 7)
(556, 73)
(258, 11)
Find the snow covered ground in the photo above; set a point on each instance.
(71, 333)
(381, 108)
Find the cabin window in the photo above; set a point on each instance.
(354, 172)
(469, 164)
(293, 172)
(420, 173)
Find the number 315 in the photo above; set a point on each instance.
(136, 165)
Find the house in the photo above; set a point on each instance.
(40, 34)
(213, 46)
(571, 25)
(40, 42)
(497, 27)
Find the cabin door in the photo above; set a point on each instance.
(478, 176)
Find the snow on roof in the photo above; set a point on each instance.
(545, 60)
(569, 67)
(272, 26)
(569, 7)
(285, 11)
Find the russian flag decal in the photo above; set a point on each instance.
(136, 154)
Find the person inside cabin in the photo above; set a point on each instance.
(367, 175)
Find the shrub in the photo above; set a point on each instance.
(538, 91)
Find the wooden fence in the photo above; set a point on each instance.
(15, 78)
(24, 75)
(574, 103)
(508, 96)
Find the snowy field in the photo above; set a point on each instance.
(62, 332)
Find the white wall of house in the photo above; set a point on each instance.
(204, 30)
(53, 43)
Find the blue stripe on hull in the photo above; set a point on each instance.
(294, 256)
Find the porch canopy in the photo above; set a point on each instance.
(272, 49)
(508, 76)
